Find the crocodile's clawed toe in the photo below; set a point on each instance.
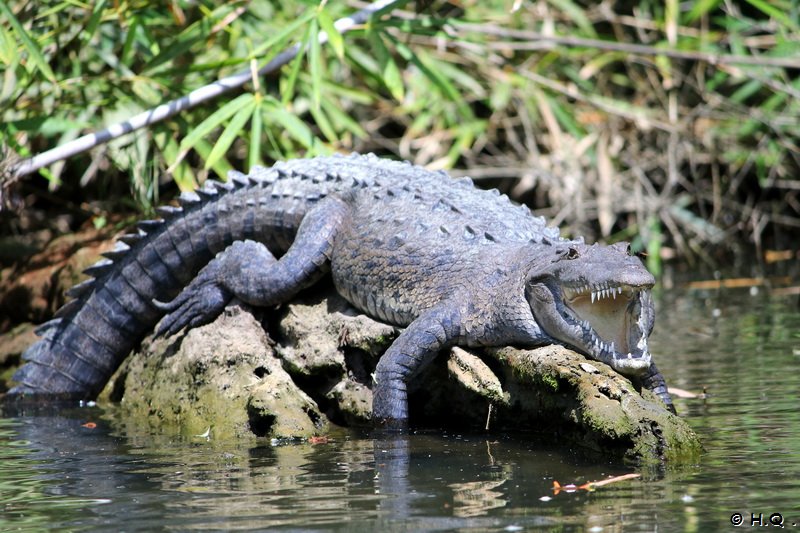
(195, 306)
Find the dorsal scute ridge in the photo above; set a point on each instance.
(132, 238)
(120, 249)
(68, 308)
(100, 268)
(168, 212)
(42, 329)
(220, 185)
(149, 226)
(81, 288)
(188, 198)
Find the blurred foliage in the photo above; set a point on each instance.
(675, 125)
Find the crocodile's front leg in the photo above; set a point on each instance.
(411, 352)
(248, 271)
(654, 381)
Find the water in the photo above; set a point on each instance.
(743, 349)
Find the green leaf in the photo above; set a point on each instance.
(230, 133)
(126, 57)
(8, 48)
(296, 128)
(274, 44)
(334, 37)
(343, 120)
(254, 153)
(700, 9)
(390, 74)
(577, 14)
(287, 91)
(184, 41)
(94, 21)
(213, 121)
(421, 61)
(181, 173)
(325, 126)
(773, 11)
(34, 53)
(221, 167)
(315, 64)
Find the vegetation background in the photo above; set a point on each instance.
(672, 124)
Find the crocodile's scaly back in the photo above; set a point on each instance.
(112, 312)
(453, 263)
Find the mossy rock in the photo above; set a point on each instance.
(231, 377)
(588, 403)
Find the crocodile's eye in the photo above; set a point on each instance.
(571, 253)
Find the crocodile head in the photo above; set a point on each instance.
(597, 300)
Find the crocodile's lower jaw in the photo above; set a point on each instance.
(609, 324)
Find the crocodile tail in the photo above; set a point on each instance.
(111, 312)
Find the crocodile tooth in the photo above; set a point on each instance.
(612, 347)
(594, 296)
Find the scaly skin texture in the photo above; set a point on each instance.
(454, 264)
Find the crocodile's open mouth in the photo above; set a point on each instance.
(610, 323)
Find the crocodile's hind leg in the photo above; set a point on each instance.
(409, 353)
(247, 270)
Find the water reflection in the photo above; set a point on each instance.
(74, 477)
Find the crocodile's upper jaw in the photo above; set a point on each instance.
(597, 300)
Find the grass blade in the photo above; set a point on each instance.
(230, 133)
(212, 122)
(35, 54)
(287, 91)
(334, 37)
(390, 74)
(315, 64)
(254, 153)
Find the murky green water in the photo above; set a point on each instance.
(743, 349)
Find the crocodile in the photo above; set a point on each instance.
(453, 264)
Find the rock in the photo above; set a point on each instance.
(223, 378)
(232, 379)
(592, 405)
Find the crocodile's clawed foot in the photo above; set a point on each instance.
(199, 303)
